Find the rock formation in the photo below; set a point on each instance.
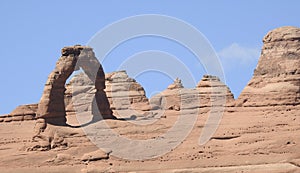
(258, 133)
(125, 93)
(21, 113)
(210, 91)
(24, 112)
(276, 79)
(176, 85)
(52, 105)
(169, 99)
(79, 86)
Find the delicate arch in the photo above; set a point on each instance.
(52, 105)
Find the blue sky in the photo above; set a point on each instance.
(33, 32)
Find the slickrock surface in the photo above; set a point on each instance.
(260, 132)
(247, 140)
(276, 79)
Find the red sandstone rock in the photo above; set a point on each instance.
(209, 92)
(52, 103)
(276, 79)
(124, 92)
(248, 139)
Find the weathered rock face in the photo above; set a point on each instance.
(79, 94)
(21, 113)
(169, 99)
(52, 104)
(25, 112)
(209, 92)
(214, 92)
(276, 79)
(125, 93)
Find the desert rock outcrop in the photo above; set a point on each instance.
(259, 134)
(52, 103)
(210, 91)
(125, 93)
(21, 113)
(214, 92)
(176, 85)
(276, 79)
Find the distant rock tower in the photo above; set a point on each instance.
(276, 79)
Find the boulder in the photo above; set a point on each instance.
(96, 155)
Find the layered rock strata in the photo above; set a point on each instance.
(210, 91)
(276, 79)
(125, 93)
(21, 113)
(213, 92)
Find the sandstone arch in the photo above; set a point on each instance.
(52, 105)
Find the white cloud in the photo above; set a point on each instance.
(238, 54)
